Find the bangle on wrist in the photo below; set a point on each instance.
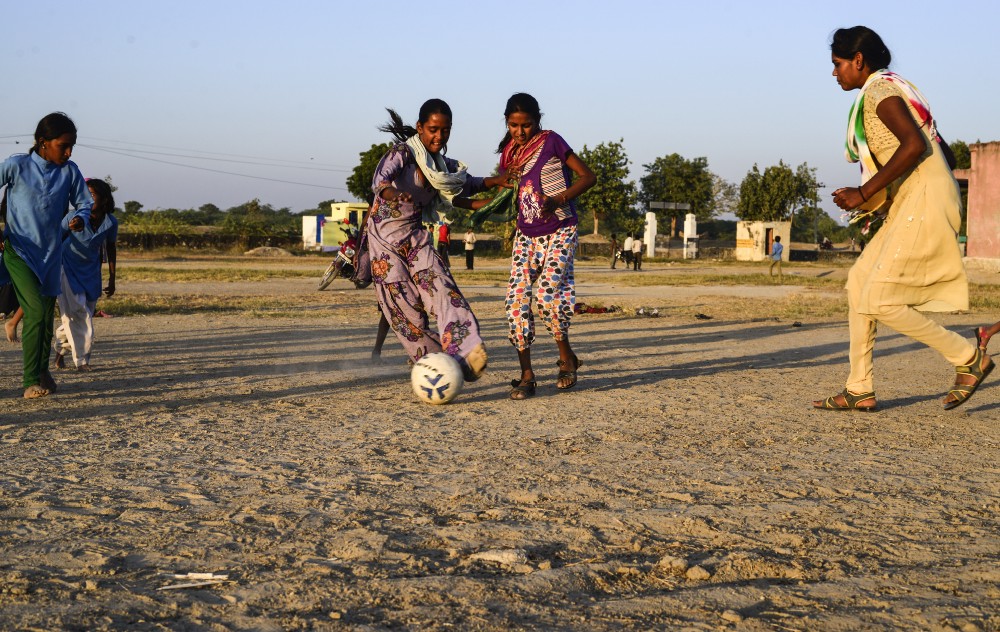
(863, 198)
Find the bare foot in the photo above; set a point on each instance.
(35, 391)
(11, 328)
(85, 368)
(60, 362)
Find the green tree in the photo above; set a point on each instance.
(775, 194)
(258, 222)
(359, 184)
(673, 178)
(963, 157)
(725, 196)
(614, 196)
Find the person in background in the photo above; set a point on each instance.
(81, 277)
(776, 253)
(614, 250)
(470, 249)
(444, 243)
(637, 253)
(627, 248)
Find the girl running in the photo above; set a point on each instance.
(42, 185)
(81, 277)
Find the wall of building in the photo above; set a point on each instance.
(983, 214)
(752, 242)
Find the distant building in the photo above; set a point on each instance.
(754, 239)
(327, 232)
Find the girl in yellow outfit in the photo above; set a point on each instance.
(913, 262)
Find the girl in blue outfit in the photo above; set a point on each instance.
(41, 185)
(81, 276)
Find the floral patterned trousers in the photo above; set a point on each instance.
(429, 293)
(546, 263)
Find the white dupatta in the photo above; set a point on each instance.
(435, 170)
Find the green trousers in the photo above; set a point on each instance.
(39, 313)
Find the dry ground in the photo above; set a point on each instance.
(685, 484)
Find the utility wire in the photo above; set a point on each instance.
(228, 173)
(242, 162)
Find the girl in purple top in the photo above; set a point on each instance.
(416, 184)
(541, 163)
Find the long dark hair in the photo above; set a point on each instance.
(846, 43)
(401, 131)
(52, 126)
(520, 102)
(105, 200)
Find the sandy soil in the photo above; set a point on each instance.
(685, 484)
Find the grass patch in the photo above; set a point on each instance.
(230, 275)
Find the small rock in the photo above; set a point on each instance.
(732, 616)
(673, 563)
(971, 627)
(523, 569)
(697, 573)
(334, 615)
(232, 599)
(507, 557)
(90, 585)
(544, 565)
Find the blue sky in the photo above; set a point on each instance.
(293, 91)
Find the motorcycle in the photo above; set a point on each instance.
(343, 265)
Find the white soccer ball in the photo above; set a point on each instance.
(437, 378)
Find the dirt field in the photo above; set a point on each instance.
(685, 484)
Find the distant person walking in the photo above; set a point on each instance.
(637, 253)
(913, 261)
(470, 249)
(43, 184)
(627, 249)
(776, 253)
(444, 243)
(614, 250)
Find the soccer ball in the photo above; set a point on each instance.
(437, 378)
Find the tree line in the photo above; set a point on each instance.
(615, 204)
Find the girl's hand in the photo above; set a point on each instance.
(848, 198)
(499, 181)
(76, 224)
(551, 203)
(391, 194)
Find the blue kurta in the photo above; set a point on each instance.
(81, 256)
(39, 194)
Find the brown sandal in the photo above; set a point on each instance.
(521, 389)
(963, 392)
(851, 402)
(565, 373)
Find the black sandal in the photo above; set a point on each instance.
(565, 373)
(851, 402)
(521, 390)
(963, 392)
